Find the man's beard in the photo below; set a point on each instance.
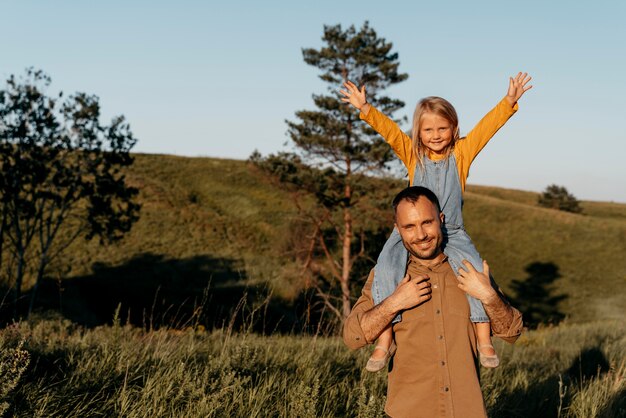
(426, 254)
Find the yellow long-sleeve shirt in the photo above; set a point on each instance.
(465, 150)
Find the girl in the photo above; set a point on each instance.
(436, 158)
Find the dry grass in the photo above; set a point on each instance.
(567, 371)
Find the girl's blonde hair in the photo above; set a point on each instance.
(440, 107)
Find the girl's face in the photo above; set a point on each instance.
(435, 133)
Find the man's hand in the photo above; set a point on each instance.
(354, 96)
(517, 87)
(411, 292)
(475, 283)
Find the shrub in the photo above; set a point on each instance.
(557, 197)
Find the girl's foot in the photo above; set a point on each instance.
(488, 356)
(380, 357)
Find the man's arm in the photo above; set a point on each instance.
(506, 321)
(353, 335)
(366, 322)
(374, 321)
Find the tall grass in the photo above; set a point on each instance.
(13, 362)
(572, 370)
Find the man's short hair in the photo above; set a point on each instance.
(412, 194)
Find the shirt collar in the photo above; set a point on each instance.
(437, 265)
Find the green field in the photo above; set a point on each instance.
(220, 224)
(209, 264)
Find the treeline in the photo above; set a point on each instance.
(61, 179)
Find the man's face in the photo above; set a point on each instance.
(419, 224)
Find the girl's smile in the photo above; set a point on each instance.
(435, 133)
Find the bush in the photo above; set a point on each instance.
(557, 197)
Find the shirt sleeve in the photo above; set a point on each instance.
(514, 329)
(353, 335)
(468, 148)
(401, 143)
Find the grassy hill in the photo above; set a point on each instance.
(219, 223)
(583, 253)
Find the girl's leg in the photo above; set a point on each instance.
(486, 352)
(483, 331)
(389, 271)
(383, 343)
(390, 268)
(459, 248)
(382, 352)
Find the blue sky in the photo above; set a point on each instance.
(220, 78)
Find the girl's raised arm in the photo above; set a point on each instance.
(478, 137)
(387, 128)
(467, 149)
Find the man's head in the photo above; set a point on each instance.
(418, 219)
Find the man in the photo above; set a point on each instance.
(434, 372)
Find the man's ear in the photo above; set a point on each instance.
(442, 217)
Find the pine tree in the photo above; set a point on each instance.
(333, 149)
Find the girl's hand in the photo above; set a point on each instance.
(517, 87)
(354, 96)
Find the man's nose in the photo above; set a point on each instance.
(420, 234)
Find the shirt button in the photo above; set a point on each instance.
(446, 389)
(358, 338)
(443, 363)
(438, 311)
(441, 337)
(435, 286)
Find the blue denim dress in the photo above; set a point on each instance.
(442, 178)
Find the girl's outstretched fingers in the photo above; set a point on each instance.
(353, 95)
(517, 87)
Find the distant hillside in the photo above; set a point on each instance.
(587, 252)
(216, 222)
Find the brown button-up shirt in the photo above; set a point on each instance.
(434, 372)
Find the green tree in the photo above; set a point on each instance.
(534, 295)
(334, 151)
(61, 177)
(557, 197)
